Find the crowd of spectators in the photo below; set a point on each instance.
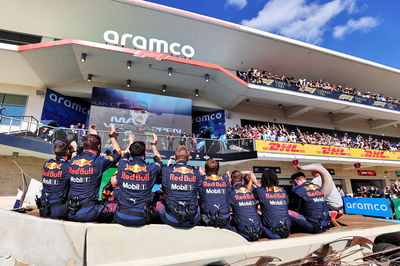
(282, 133)
(253, 75)
(390, 191)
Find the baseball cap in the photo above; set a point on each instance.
(140, 105)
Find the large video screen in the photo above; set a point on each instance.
(138, 112)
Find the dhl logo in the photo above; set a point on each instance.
(52, 166)
(136, 168)
(183, 170)
(214, 178)
(81, 162)
(333, 151)
(275, 189)
(375, 154)
(242, 190)
(346, 97)
(379, 103)
(283, 147)
(312, 187)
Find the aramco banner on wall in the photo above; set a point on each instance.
(64, 110)
(209, 125)
(320, 150)
(368, 206)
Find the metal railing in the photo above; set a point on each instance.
(38, 131)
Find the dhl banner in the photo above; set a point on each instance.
(320, 150)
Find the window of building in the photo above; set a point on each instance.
(12, 105)
(18, 38)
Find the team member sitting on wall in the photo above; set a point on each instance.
(274, 206)
(214, 196)
(55, 179)
(135, 179)
(86, 172)
(180, 183)
(309, 209)
(246, 220)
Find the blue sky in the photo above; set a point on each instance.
(369, 29)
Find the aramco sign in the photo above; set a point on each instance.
(152, 44)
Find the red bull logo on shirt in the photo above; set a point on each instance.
(214, 178)
(81, 162)
(52, 166)
(242, 190)
(312, 187)
(183, 170)
(136, 168)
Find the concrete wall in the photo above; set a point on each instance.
(10, 175)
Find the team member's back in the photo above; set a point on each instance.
(55, 179)
(308, 200)
(274, 206)
(180, 183)
(214, 196)
(136, 179)
(246, 219)
(86, 172)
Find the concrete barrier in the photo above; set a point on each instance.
(38, 241)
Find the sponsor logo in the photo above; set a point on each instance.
(375, 154)
(247, 203)
(268, 82)
(214, 178)
(215, 191)
(286, 147)
(208, 117)
(50, 181)
(321, 199)
(52, 173)
(183, 170)
(214, 184)
(81, 162)
(311, 187)
(152, 44)
(181, 187)
(315, 193)
(67, 103)
(182, 178)
(277, 202)
(308, 89)
(367, 206)
(334, 151)
(134, 186)
(379, 103)
(52, 166)
(80, 179)
(346, 97)
(242, 190)
(275, 189)
(275, 196)
(136, 177)
(135, 168)
(81, 171)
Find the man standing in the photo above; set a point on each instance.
(136, 179)
(180, 183)
(55, 179)
(214, 196)
(86, 171)
(18, 198)
(170, 141)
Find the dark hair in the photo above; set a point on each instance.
(211, 167)
(138, 148)
(236, 176)
(61, 149)
(297, 175)
(91, 142)
(269, 179)
(246, 179)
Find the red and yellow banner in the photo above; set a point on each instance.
(320, 150)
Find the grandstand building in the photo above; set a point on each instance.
(70, 47)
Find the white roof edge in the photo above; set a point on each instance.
(239, 27)
(10, 47)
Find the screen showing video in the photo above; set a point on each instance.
(136, 112)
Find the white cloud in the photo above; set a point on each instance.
(237, 3)
(299, 20)
(363, 24)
